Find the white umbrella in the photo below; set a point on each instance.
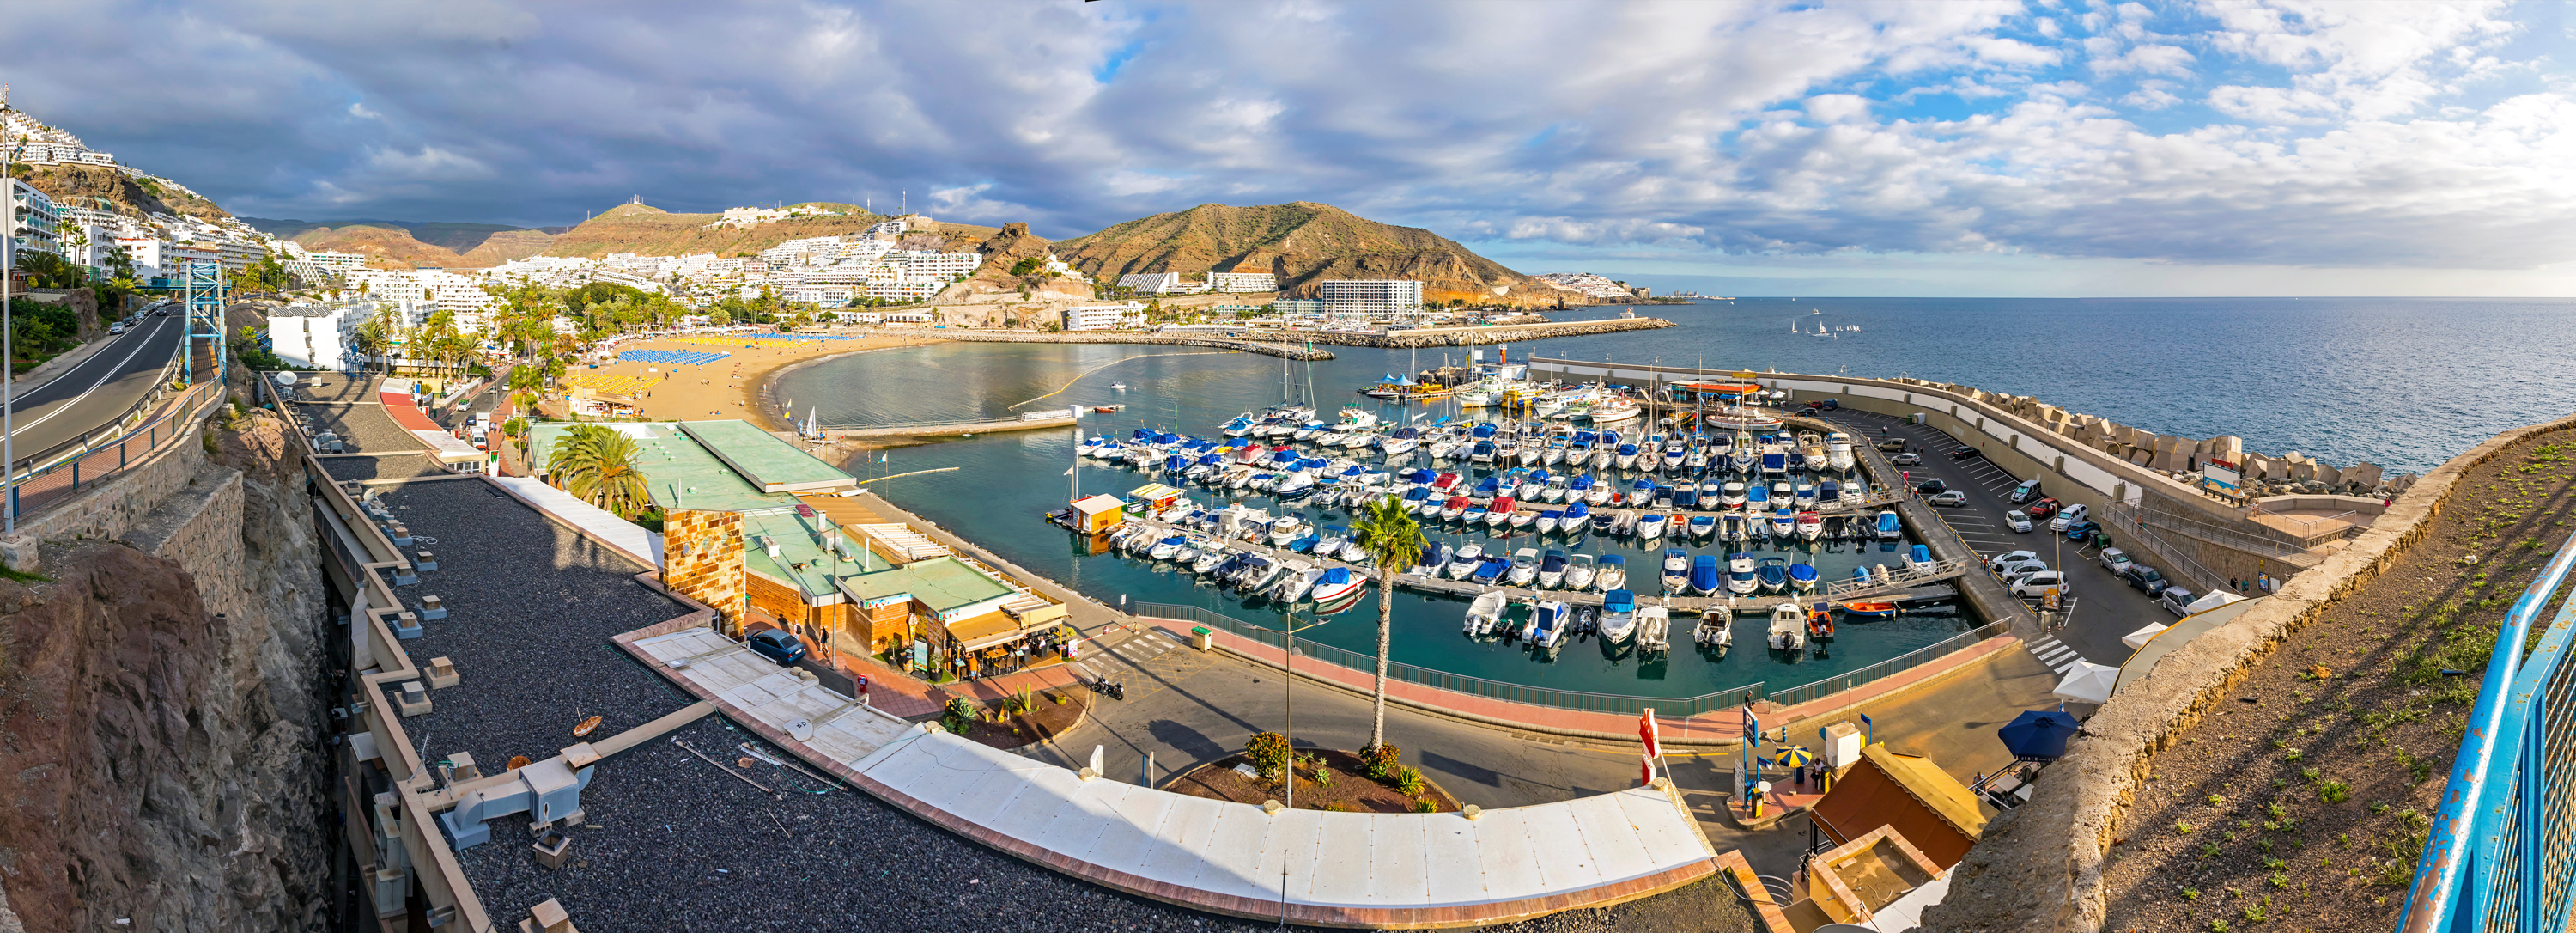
(2138, 639)
(2088, 682)
(2214, 600)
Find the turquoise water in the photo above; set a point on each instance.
(2405, 383)
(1008, 482)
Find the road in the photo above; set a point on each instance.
(96, 392)
(2106, 606)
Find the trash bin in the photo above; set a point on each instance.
(1202, 638)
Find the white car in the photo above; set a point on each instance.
(2067, 517)
(2014, 572)
(2113, 559)
(2176, 600)
(2038, 584)
(1950, 497)
(2018, 521)
(1999, 563)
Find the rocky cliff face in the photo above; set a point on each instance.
(1302, 243)
(98, 186)
(162, 701)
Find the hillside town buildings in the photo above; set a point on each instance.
(1126, 316)
(1591, 285)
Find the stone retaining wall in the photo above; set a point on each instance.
(2039, 867)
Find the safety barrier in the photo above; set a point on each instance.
(2496, 855)
(1911, 659)
(63, 478)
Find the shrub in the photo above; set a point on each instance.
(1408, 781)
(2334, 792)
(1268, 753)
(1425, 806)
(1380, 762)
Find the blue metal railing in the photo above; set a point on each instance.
(2497, 856)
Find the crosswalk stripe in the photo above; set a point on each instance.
(2063, 668)
(2057, 654)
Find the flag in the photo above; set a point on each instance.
(1646, 731)
(881, 458)
(1646, 769)
(1068, 471)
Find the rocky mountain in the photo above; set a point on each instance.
(1302, 243)
(651, 231)
(103, 188)
(400, 243)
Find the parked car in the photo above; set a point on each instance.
(2015, 557)
(776, 645)
(1930, 486)
(1830, 404)
(1906, 459)
(2043, 508)
(2083, 529)
(1963, 452)
(2144, 578)
(2176, 600)
(2018, 522)
(2067, 517)
(2014, 572)
(2038, 584)
(2028, 490)
(2114, 559)
(1892, 445)
(116, 328)
(1952, 497)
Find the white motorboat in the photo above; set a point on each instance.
(1618, 616)
(1788, 627)
(1469, 555)
(1168, 548)
(1286, 528)
(1297, 582)
(1742, 577)
(1654, 628)
(1336, 583)
(1716, 629)
(1804, 495)
(1732, 496)
(1838, 451)
(1482, 613)
(1810, 525)
(1612, 573)
(1650, 526)
(1580, 573)
(1524, 566)
(1551, 569)
(1549, 623)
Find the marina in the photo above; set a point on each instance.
(1187, 392)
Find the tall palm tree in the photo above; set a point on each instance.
(1391, 536)
(598, 465)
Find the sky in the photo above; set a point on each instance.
(1962, 147)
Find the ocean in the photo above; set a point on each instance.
(2403, 383)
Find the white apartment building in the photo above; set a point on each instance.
(37, 215)
(1243, 282)
(829, 296)
(895, 227)
(905, 289)
(1372, 298)
(324, 257)
(940, 266)
(1125, 316)
(1152, 283)
(316, 337)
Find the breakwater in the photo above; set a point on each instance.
(1477, 336)
(1177, 340)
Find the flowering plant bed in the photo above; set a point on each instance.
(1326, 780)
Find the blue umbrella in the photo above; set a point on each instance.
(2038, 734)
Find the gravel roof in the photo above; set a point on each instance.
(391, 466)
(364, 428)
(531, 606)
(670, 843)
(333, 387)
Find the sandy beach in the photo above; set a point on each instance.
(724, 388)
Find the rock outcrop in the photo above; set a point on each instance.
(1303, 243)
(162, 703)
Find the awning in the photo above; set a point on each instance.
(987, 630)
(2088, 682)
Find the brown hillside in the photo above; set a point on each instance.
(508, 245)
(651, 231)
(386, 247)
(101, 188)
(1301, 243)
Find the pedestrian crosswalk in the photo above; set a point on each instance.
(1144, 648)
(2054, 653)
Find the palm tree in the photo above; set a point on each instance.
(1391, 537)
(597, 465)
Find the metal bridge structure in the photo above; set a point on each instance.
(204, 288)
(2497, 856)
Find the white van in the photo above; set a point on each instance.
(2067, 517)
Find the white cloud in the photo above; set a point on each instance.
(359, 109)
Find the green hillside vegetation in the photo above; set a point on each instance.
(1301, 243)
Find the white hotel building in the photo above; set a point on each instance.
(1371, 298)
(1128, 316)
(1243, 282)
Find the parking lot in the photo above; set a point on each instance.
(2106, 606)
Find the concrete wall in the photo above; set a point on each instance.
(110, 509)
(2039, 867)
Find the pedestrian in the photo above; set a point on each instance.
(2235, 584)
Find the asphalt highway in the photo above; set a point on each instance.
(96, 392)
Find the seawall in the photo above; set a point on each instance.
(1177, 340)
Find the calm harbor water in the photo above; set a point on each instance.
(2328, 378)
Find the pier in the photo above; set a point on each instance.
(1900, 585)
(947, 428)
(1264, 347)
